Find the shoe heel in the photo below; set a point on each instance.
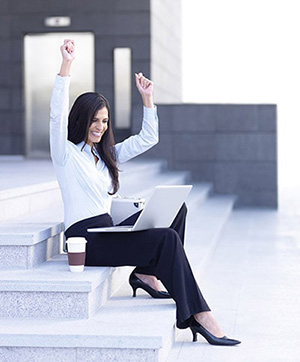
(134, 292)
(136, 283)
(194, 335)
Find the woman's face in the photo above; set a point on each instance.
(98, 126)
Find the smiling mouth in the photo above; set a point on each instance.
(96, 134)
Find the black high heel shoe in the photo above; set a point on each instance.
(136, 283)
(211, 339)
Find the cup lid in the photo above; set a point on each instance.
(76, 240)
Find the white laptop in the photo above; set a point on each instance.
(159, 211)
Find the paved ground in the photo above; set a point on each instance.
(253, 286)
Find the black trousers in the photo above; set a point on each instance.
(156, 252)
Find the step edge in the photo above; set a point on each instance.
(80, 341)
(30, 238)
(28, 190)
(68, 284)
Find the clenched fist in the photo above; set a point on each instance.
(68, 50)
(68, 55)
(145, 87)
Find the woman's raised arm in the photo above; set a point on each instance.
(59, 106)
(148, 136)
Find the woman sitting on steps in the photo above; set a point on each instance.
(85, 158)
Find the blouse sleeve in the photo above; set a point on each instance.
(143, 141)
(59, 108)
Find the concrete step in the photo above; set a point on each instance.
(204, 227)
(124, 328)
(26, 186)
(51, 291)
(15, 202)
(29, 240)
(143, 167)
(200, 192)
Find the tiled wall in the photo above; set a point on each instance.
(233, 146)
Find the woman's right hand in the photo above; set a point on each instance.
(68, 55)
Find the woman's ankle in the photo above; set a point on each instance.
(208, 321)
(150, 280)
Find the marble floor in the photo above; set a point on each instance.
(252, 284)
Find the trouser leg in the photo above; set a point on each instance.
(179, 280)
(179, 226)
(179, 222)
(160, 249)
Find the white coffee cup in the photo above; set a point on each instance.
(76, 253)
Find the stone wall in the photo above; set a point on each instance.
(166, 49)
(233, 146)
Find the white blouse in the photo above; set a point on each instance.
(85, 185)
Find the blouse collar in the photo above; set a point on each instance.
(84, 147)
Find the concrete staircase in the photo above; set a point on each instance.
(48, 313)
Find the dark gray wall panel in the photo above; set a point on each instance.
(233, 146)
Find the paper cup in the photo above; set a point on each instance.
(76, 253)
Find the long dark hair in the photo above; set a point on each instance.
(80, 118)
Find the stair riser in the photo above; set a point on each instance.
(26, 257)
(36, 354)
(44, 305)
(58, 304)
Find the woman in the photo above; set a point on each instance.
(85, 159)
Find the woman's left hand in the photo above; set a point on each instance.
(145, 87)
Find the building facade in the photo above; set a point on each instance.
(233, 146)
